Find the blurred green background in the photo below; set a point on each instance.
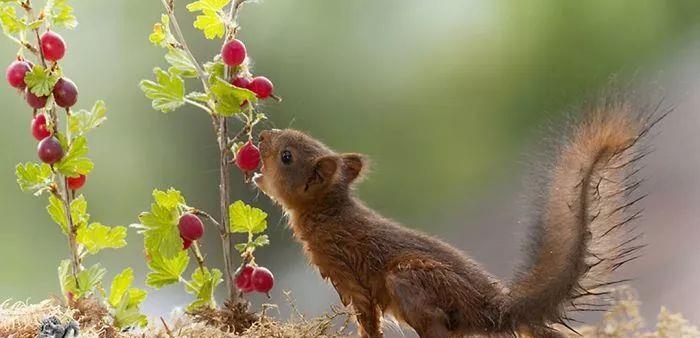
(444, 96)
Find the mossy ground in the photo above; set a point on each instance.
(20, 320)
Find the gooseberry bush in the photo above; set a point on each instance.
(229, 94)
(63, 165)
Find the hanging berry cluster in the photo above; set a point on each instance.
(230, 95)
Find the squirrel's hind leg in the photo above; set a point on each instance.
(415, 306)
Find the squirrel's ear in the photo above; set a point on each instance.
(325, 169)
(354, 166)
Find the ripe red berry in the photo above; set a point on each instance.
(186, 243)
(75, 183)
(36, 102)
(191, 227)
(248, 157)
(262, 279)
(39, 127)
(241, 82)
(233, 53)
(261, 86)
(243, 280)
(65, 93)
(49, 150)
(15, 73)
(52, 46)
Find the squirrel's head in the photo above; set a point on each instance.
(298, 171)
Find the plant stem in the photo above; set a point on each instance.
(224, 203)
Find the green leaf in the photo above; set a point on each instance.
(229, 98)
(83, 120)
(125, 301)
(159, 226)
(78, 211)
(170, 199)
(181, 62)
(210, 5)
(58, 213)
(211, 24)
(161, 35)
(244, 218)
(203, 285)
(197, 96)
(41, 81)
(84, 283)
(261, 240)
(96, 237)
(34, 177)
(11, 23)
(211, 20)
(167, 93)
(75, 163)
(60, 14)
(166, 271)
(215, 69)
(120, 284)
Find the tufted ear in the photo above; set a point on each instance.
(354, 166)
(324, 171)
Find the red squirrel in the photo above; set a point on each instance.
(581, 234)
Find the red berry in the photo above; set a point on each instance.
(233, 53)
(65, 93)
(248, 157)
(261, 86)
(262, 279)
(241, 82)
(191, 227)
(52, 46)
(49, 150)
(36, 102)
(186, 243)
(15, 73)
(75, 183)
(243, 280)
(39, 127)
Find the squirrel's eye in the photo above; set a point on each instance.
(286, 157)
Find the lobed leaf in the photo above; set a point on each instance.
(74, 162)
(211, 21)
(83, 120)
(78, 212)
(34, 177)
(229, 98)
(41, 81)
(82, 284)
(203, 285)
(58, 213)
(166, 271)
(96, 237)
(181, 62)
(11, 23)
(159, 226)
(167, 93)
(60, 14)
(125, 301)
(246, 219)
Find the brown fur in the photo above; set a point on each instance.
(380, 267)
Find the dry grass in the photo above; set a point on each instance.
(21, 320)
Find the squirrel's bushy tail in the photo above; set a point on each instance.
(582, 232)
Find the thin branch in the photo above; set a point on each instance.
(197, 255)
(210, 218)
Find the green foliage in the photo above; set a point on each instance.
(11, 24)
(82, 284)
(165, 271)
(246, 219)
(161, 35)
(74, 162)
(41, 81)
(83, 120)
(167, 93)
(181, 62)
(58, 213)
(34, 177)
(96, 237)
(159, 226)
(78, 211)
(60, 14)
(124, 301)
(229, 98)
(202, 286)
(212, 21)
